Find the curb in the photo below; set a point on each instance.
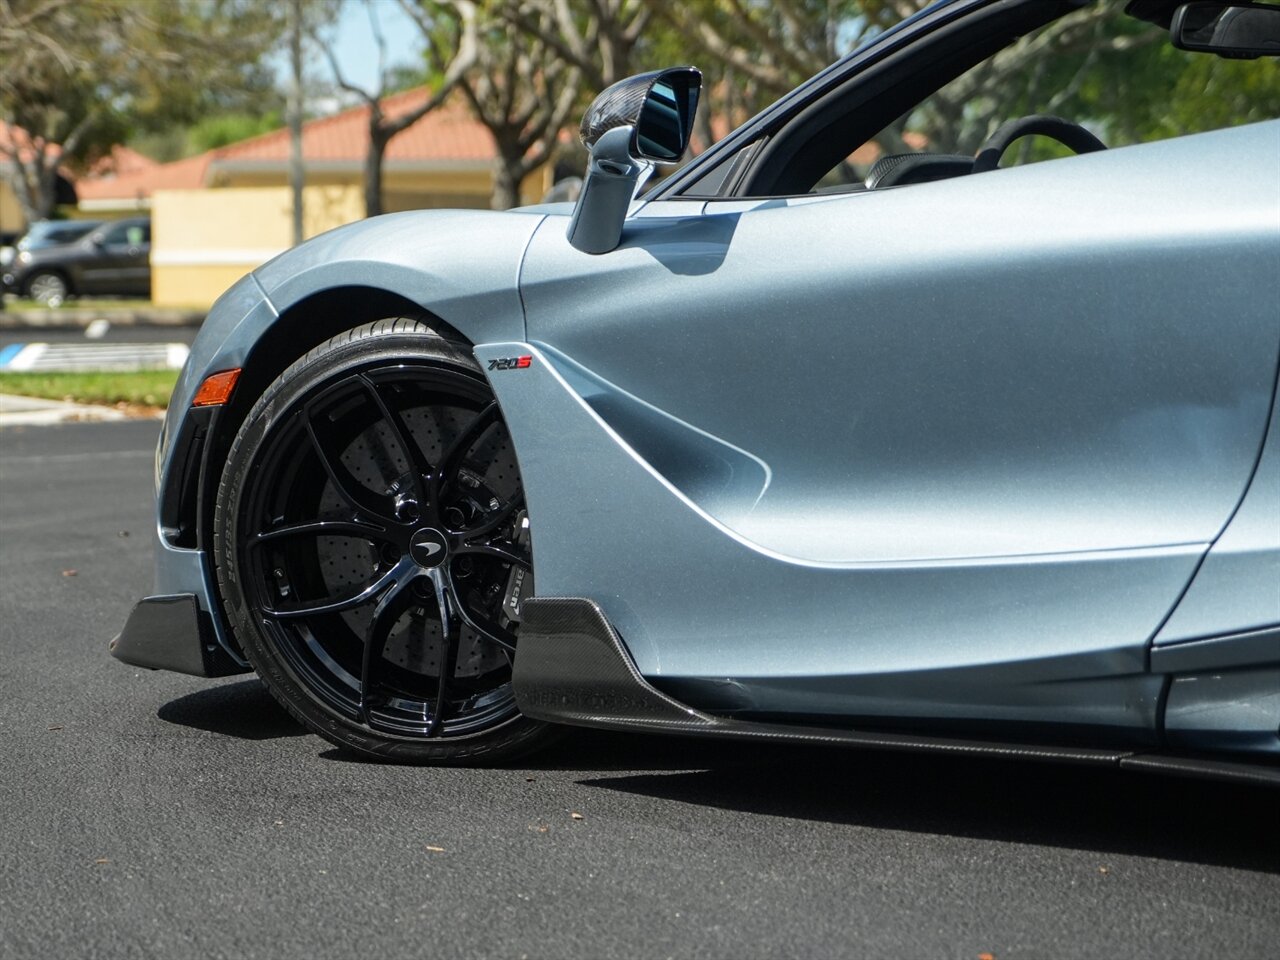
(16, 411)
(72, 318)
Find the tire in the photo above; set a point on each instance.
(48, 287)
(390, 630)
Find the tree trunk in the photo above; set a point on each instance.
(508, 171)
(373, 172)
(296, 172)
(47, 191)
(702, 124)
(34, 185)
(29, 201)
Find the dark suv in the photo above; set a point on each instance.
(115, 258)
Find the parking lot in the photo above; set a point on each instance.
(114, 333)
(156, 814)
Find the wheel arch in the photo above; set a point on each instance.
(300, 326)
(455, 270)
(58, 271)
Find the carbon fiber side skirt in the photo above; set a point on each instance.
(573, 668)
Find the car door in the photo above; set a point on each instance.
(119, 261)
(999, 419)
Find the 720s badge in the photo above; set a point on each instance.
(510, 363)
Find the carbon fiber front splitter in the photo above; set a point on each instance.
(574, 668)
(172, 633)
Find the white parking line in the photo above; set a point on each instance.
(25, 357)
(49, 357)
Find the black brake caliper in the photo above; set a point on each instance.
(519, 580)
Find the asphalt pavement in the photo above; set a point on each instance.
(113, 333)
(152, 814)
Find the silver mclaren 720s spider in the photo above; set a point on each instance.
(838, 433)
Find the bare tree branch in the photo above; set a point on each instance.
(523, 89)
(597, 37)
(461, 56)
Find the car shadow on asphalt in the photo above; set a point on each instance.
(245, 710)
(1077, 807)
(1083, 808)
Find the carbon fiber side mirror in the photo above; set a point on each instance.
(633, 124)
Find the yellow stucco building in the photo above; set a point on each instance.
(11, 219)
(218, 215)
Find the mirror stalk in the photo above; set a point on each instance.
(630, 126)
(613, 176)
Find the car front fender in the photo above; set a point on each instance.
(461, 265)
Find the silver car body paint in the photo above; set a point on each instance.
(1033, 361)
(1225, 710)
(955, 450)
(1238, 587)
(693, 599)
(993, 451)
(463, 263)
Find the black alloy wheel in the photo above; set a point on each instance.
(373, 548)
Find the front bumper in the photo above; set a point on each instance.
(173, 633)
(178, 627)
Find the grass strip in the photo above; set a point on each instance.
(150, 388)
(21, 303)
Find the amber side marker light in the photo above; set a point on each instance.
(216, 389)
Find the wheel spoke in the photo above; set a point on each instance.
(357, 496)
(409, 450)
(322, 528)
(494, 520)
(395, 601)
(504, 553)
(449, 633)
(474, 623)
(358, 599)
(451, 462)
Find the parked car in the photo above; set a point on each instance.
(45, 233)
(952, 457)
(65, 261)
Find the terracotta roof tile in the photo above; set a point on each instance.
(120, 160)
(446, 133)
(179, 175)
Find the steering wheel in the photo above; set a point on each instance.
(1070, 135)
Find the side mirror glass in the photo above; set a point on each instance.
(1242, 31)
(666, 119)
(659, 105)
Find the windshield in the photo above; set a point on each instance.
(43, 235)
